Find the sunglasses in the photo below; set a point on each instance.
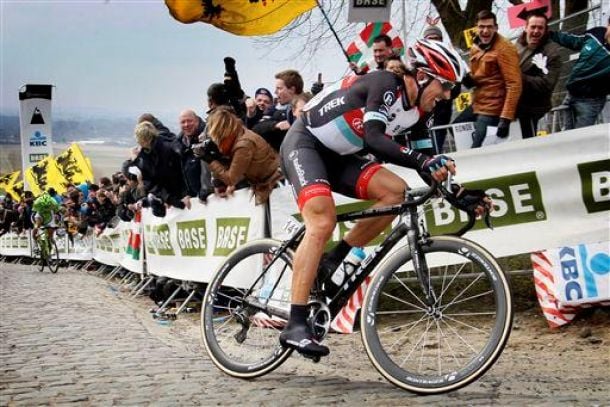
(445, 84)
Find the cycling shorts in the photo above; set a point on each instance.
(49, 224)
(315, 170)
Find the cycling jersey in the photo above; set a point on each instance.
(45, 206)
(337, 116)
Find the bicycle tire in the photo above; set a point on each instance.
(41, 253)
(473, 327)
(53, 261)
(260, 352)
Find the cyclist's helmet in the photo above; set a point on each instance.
(437, 59)
(44, 201)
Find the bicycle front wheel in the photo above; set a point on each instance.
(53, 257)
(443, 347)
(241, 340)
(43, 251)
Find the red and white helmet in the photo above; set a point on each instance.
(437, 59)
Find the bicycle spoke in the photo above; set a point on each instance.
(466, 299)
(403, 301)
(410, 291)
(456, 333)
(423, 346)
(469, 314)
(414, 347)
(464, 290)
(457, 273)
(448, 343)
(407, 332)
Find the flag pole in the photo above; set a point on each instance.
(332, 29)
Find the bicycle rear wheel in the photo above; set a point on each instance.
(241, 340)
(431, 350)
(53, 257)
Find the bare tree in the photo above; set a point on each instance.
(313, 32)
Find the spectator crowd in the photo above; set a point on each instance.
(237, 144)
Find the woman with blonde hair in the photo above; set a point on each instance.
(250, 157)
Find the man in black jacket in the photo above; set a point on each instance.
(540, 63)
(161, 167)
(197, 176)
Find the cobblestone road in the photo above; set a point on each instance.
(71, 338)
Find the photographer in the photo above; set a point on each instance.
(249, 156)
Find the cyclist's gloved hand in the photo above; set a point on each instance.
(474, 201)
(438, 167)
(503, 126)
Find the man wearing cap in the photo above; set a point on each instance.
(255, 108)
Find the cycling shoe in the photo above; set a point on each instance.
(300, 338)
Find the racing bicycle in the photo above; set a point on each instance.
(47, 250)
(435, 317)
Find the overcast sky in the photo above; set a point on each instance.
(129, 57)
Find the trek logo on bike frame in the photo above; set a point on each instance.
(517, 199)
(230, 234)
(595, 185)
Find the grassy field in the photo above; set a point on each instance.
(105, 159)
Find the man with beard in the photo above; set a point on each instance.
(540, 65)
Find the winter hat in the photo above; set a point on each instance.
(263, 91)
(433, 30)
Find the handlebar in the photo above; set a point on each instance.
(445, 188)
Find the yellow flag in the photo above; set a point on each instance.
(8, 183)
(241, 17)
(463, 100)
(74, 166)
(469, 36)
(45, 174)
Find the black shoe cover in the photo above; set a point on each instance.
(299, 338)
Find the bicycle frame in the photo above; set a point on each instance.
(408, 228)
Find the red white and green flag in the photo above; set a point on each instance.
(360, 51)
(134, 241)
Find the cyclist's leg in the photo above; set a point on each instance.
(385, 188)
(305, 168)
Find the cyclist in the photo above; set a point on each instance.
(319, 154)
(45, 208)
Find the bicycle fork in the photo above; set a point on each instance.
(419, 260)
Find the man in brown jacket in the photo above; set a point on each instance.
(495, 73)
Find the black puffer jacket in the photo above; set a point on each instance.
(161, 168)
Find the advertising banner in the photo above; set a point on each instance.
(78, 247)
(189, 244)
(364, 11)
(110, 246)
(547, 191)
(35, 124)
(12, 244)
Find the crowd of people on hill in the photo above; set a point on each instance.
(237, 145)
